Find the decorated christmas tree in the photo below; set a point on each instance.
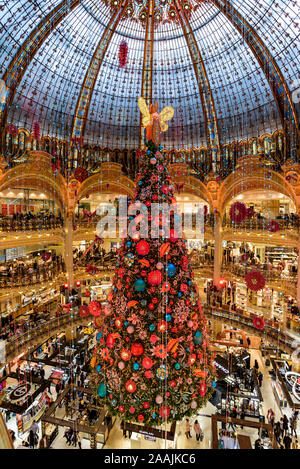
(152, 361)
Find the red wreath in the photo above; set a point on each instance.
(123, 54)
(273, 226)
(238, 212)
(12, 129)
(95, 308)
(255, 280)
(80, 174)
(258, 323)
(46, 256)
(84, 311)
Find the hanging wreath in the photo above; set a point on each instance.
(12, 129)
(46, 256)
(84, 311)
(36, 131)
(258, 323)
(238, 212)
(273, 226)
(95, 308)
(80, 174)
(123, 54)
(255, 281)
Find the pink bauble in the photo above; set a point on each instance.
(193, 405)
(147, 363)
(159, 265)
(159, 399)
(132, 410)
(130, 329)
(121, 365)
(190, 324)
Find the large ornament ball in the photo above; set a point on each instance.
(101, 390)
(147, 363)
(139, 285)
(155, 277)
(141, 418)
(130, 329)
(137, 349)
(142, 247)
(159, 399)
(171, 270)
(159, 266)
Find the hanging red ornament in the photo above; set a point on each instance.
(36, 131)
(130, 386)
(84, 311)
(137, 349)
(142, 248)
(123, 54)
(255, 280)
(250, 212)
(238, 212)
(258, 322)
(202, 389)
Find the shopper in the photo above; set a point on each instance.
(257, 444)
(79, 439)
(295, 445)
(31, 439)
(242, 417)
(287, 441)
(260, 379)
(293, 425)
(197, 430)
(188, 429)
(285, 425)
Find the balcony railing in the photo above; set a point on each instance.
(30, 276)
(261, 224)
(270, 275)
(32, 224)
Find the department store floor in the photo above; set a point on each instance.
(116, 440)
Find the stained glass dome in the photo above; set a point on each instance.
(213, 61)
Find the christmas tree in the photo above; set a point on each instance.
(152, 362)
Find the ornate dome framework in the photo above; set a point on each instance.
(229, 69)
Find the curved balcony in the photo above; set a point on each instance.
(22, 276)
(8, 224)
(271, 275)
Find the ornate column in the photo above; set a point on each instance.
(68, 248)
(298, 273)
(218, 248)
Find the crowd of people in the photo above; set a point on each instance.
(30, 221)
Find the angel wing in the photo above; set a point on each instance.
(145, 111)
(166, 114)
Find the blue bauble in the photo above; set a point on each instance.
(152, 327)
(98, 336)
(126, 323)
(171, 270)
(139, 285)
(168, 317)
(177, 366)
(101, 390)
(154, 416)
(136, 366)
(99, 368)
(214, 384)
(179, 294)
(140, 183)
(143, 302)
(198, 334)
(128, 244)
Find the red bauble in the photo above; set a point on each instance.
(146, 405)
(151, 306)
(202, 389)
(142, 247)
(110, 341)
(162, 326)
(164, 411)
(137, 349)
(141, 418)
(155, 277)
(130, 386)
(147, 363)
(95, 308)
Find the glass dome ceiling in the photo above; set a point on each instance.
(64, 36)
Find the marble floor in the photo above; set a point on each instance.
(117, 441)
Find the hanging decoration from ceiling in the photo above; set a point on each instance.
(123, 54)
(238, 212)
(255, 280)
(258, 323)
(36, 131)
